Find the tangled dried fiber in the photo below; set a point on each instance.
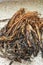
(22, 37)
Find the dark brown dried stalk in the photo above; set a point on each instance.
(22, 37)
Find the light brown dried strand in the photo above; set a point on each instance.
(15, 16)
(27, 15)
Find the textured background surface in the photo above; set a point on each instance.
(7, 9)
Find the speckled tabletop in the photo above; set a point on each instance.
(7, 9)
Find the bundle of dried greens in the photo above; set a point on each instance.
(22, 37)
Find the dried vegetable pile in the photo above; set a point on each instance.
(22, 37)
